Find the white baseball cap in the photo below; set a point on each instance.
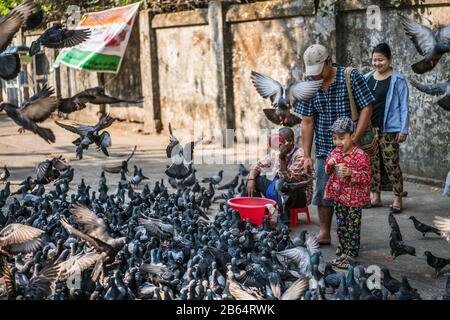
(314, 58)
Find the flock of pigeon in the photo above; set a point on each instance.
(62, 243)
(44, 103)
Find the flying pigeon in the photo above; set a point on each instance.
(9, 26)
(90, 134)
(283, 99)
(58, 37)
(431, 44)
(438, 89)
(34, 110)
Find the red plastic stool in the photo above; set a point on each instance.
(293, 214)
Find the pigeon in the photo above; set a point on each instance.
(443, 224)
(175, 152)
(90, 134)
(9, 26)
(94, 232)
(396, 244)
(243, 171)
(49, 170)
(391, 284)
(57, 37)
(423, 228)
(138, 176)
(431, 44)
(438, 89)
(123, 167)
(435, 262)
(230, 185)
(35, 19)
(283, 99)
(214, 179)
(34, 110)
(18, 238)
(406, 292)
(4, 176)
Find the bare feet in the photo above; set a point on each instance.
(324, 239)
(375, 199)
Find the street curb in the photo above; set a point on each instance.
(423, 180)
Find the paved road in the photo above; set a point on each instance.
(22, 152)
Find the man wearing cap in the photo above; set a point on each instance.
(319, 113)
(285, 165)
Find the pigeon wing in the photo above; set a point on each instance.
(89, 223)
(434, 90)
(42, 169)
(422, 37)
(267, 87)
(296, 290)
(40, 106)
(12, 22)
(71, 38)
(443, 34)
(303, 91)
(16, 233)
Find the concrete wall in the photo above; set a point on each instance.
(193, 67)
(426, 153)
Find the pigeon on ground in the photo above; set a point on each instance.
(50, 170)
(431, 44)
(123, 167)
(438, 89)
(283, 99)
(243, 171)
(34, 110)
(57, 37)
(214, 179)
(91, 134)
(230, 185)
(424, 228)
(443, 224)
(390, 283)
(396, 244)
(138, 176)
(9, 26)
(435, 262)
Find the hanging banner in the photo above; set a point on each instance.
(104, 50)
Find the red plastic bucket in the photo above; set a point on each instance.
(251, 208)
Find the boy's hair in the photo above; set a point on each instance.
(343, 125)
(287, 132)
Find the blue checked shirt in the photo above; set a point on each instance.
(327, 107)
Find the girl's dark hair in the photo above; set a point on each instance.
(384, 49)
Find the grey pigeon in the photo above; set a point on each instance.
(431, 44)
(283, 99)
(5, 174)
(34, 110)
(57, 37)
(437, 89)
(9, 26)
(90, 134)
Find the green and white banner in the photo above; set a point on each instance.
(104, 50)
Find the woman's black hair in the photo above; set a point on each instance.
(384, 49)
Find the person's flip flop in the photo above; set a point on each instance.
(342, 263)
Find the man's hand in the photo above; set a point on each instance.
(308, 165)
(401, 137)
(251, 183)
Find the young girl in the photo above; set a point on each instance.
(348, 167)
